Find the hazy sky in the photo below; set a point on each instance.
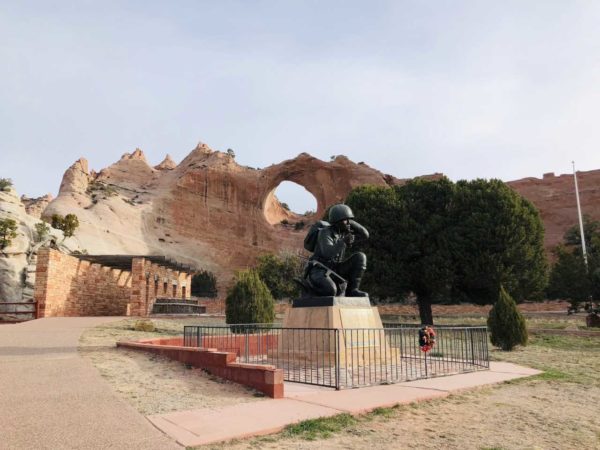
(502, 89)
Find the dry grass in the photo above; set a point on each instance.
(556, 410)
(153, 384)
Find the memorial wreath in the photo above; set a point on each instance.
(426, 338)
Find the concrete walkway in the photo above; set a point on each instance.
(51, 398)
(302, 402)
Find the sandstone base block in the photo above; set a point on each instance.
(349, 327)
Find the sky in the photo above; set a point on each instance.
(471, 89)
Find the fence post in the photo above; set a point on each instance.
(472, 347)
(246, 344)
(337, 358)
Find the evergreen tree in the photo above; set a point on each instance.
(278, 273)
(249, 300)
(570, 278)
(408, 250)
(8, 231)
(507, 325)
(423, 239)
(42, 230)
(204, 284)
(450, 243)
(380, 210)
(497, 239)
(68, 224)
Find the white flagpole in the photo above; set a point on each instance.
(580, 219)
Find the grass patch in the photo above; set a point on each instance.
(313, 429)
(566, 342)
(386, 413)
(553, 375)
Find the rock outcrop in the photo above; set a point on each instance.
(207, 210)
(166, 164)
(17, 261)
(554, 196)
(36, 206)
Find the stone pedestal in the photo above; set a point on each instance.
(359, 338)
(332, 312)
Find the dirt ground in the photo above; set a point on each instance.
(532, 415)
(153, 384)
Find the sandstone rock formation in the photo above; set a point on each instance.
(166, 164)
(36, 206)
(554, 196)
(210, 212)
(207, 211)
(18, 260)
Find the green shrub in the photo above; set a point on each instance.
(5, 183)
(278, 273)
(8, 231)
(249, 300)
(144, 325)
(204, 284)
(68, 224)
(104, 189)
(41, 230)
(507, 325)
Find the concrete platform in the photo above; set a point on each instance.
(302, 402)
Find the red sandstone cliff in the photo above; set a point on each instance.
(207, 210)
(211, 212)
(555, 198)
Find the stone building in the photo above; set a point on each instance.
(106, 285)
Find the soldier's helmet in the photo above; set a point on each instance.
(340, 212)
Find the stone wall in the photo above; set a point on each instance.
(68, 287)
(264, 378)
(151, 281)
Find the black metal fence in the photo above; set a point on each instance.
(345, 358)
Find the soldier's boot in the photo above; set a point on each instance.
(353, 285)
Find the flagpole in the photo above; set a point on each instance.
(580, 218)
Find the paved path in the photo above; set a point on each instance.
(304, 402)
(51, 398)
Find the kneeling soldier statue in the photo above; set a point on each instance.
(327, 272)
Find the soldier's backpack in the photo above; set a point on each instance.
(310, 241)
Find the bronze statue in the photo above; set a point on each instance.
(327, 272)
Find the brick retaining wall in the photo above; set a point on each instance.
(263, 378)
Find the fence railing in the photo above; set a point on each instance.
(344, 358)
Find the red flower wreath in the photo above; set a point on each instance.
(426, 338)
